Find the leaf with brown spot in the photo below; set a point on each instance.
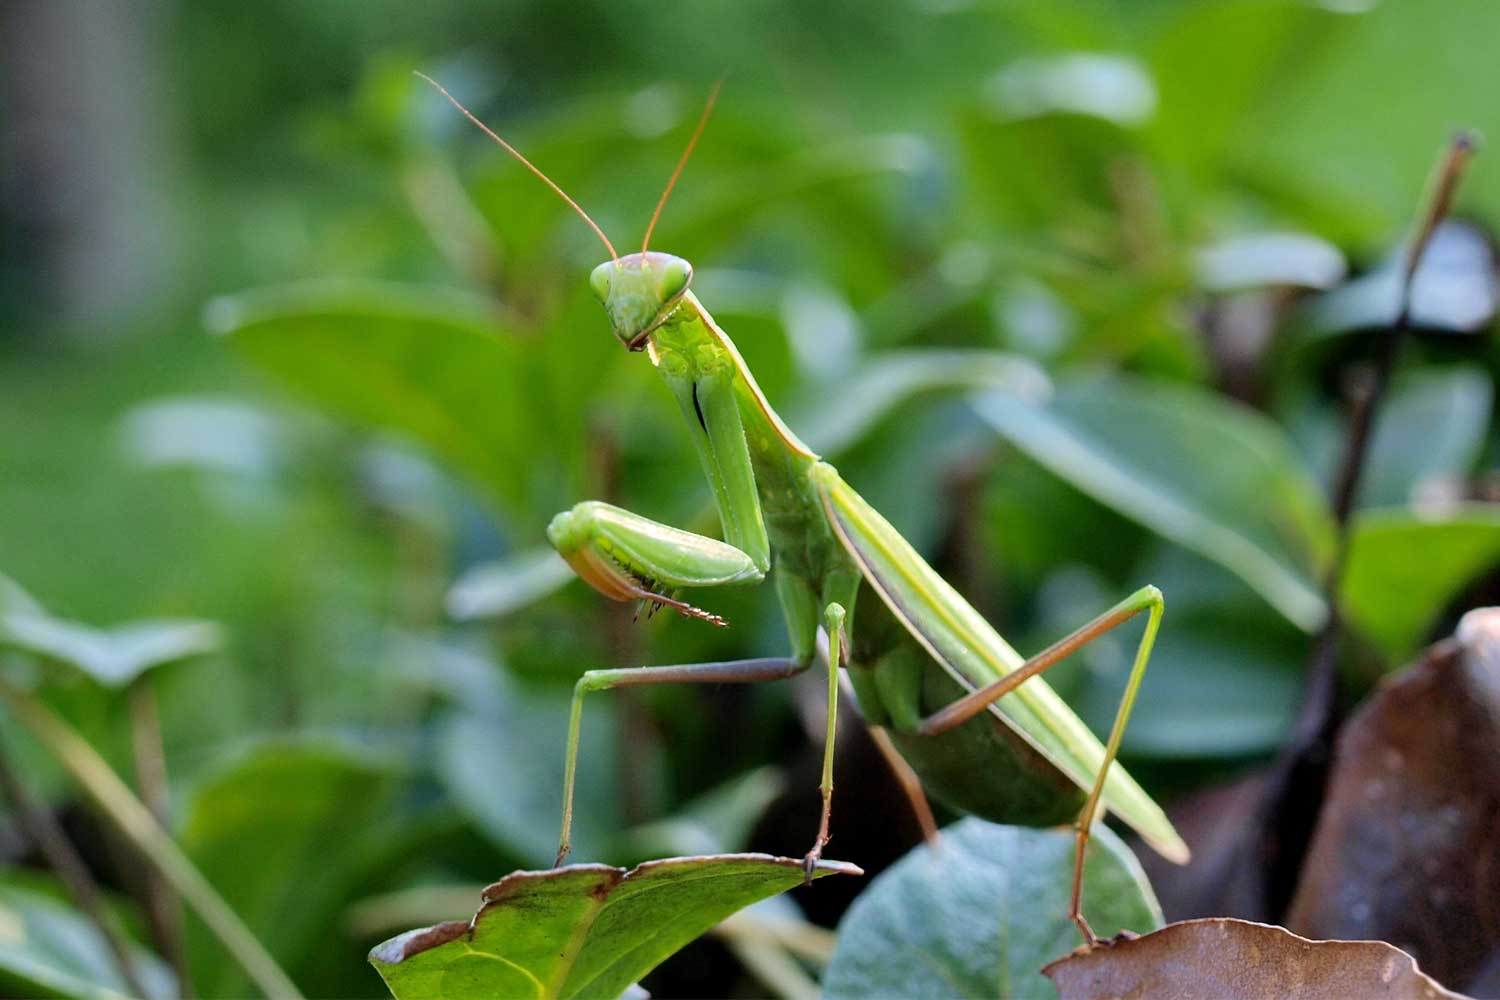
(1225, 959)
(583, 930)
(1407, 847)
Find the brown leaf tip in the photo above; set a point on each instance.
(399, 949)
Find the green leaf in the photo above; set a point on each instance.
(1215, 477)
(980, 914)
(583, 930)
(1404, 568)
(871, 392)
(47, 948)
(278, 832)
(451, 371)
(113, 657)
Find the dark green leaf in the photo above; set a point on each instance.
(278, 832)
(980, 914)
(1213, 476)
(583, 930)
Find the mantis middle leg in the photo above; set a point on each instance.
(1147, 599)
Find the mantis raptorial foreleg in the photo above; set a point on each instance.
(1147, 599)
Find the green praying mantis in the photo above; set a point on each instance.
(972, 717)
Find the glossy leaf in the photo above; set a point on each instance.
(583, 930)
(1215, 477)
(47, 948)
(980, 914)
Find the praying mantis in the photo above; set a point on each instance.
(973, 718)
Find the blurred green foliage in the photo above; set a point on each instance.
(1039, 178)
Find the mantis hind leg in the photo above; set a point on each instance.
(1147, 599)
(728, 672)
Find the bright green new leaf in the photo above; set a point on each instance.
(981, 913)
(583, 930)
(1404, 568)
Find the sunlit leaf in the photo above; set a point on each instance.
(981, 913)
(583, 930)
(1215, 477)
(1261, 260)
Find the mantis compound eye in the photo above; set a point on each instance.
(675, 275)
(600, 279)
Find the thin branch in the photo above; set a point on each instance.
(43, 830)
(163, 907)
(135, 822)
(1295, 792)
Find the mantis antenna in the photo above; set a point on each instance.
(533, 167)
(713, 95)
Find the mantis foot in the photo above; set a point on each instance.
(562, 854)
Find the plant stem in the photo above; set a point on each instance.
(43, 830)
(135, 822)
(1295, 791)
(163, 906)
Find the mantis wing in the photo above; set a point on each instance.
(960, 640)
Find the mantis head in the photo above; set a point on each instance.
(639, 291)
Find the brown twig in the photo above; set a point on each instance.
(43, 830)
(163, 908)
(1295, 792)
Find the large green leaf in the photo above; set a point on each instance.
(1404, 568)
(1215, 477)
(583, 930)
(449, 370)
(278, 832)
(47, 948)
(982, 912)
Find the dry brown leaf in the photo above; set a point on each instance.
(1225, 959)
(1407, 847)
